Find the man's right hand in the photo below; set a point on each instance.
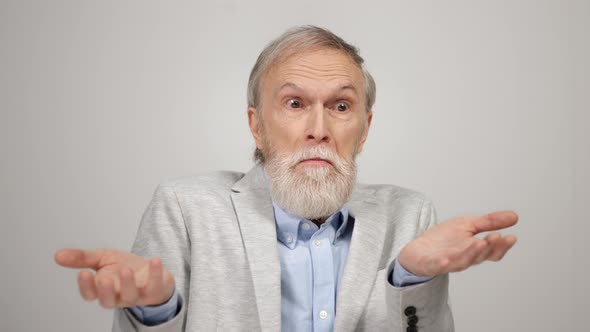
(121, 280)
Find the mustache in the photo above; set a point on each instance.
(317, 152)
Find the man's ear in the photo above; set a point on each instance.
(253, 117)
(365, 132)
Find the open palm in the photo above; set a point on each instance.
(452, 246)
(122, 279)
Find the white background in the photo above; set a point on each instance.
(482, 105)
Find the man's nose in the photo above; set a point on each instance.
(317, 126)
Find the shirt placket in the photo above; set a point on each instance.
(323, 281)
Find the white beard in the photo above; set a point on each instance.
(310, 191)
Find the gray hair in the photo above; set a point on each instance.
(296, 40)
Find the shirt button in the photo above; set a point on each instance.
(305, 226)
(323, 314)
(318, 242)
(289, 239)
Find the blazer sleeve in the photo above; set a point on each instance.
(425, 306)
(162, 233)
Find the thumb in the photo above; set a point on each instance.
(77, 258)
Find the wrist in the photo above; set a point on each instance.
(406, 261)
(167, 296)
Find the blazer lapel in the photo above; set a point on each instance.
(360, 272)
(253, 206)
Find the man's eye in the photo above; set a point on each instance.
(342, 107)
(294, 103)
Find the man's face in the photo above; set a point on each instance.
(311, 124)
(312, 99)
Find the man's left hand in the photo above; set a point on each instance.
(452, 246)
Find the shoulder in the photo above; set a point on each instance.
(209, 182)
(411, 211)
(388, 194)
(392, 200)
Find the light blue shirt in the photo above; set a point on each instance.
(312, 262)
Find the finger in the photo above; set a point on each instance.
(502, 248)
(106, 292)
(76, 258)
(491, 239)
(129, 293)
(495, 221)
(152, 291)
(86, 285)
(467, 257)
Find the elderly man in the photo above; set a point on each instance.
(295, 244)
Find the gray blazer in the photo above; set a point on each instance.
(216, 234)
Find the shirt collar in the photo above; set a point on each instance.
(288, 225)
(340, 223)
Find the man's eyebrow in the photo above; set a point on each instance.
(289, 85)
(345, 86)
(348, 86)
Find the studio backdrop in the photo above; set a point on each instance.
(481, 105)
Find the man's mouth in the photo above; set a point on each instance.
(316, 162)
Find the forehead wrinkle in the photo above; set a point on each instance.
(329, 71)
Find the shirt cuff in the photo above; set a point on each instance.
(400, 277)
(155, 315)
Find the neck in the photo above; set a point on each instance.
(319, 221)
